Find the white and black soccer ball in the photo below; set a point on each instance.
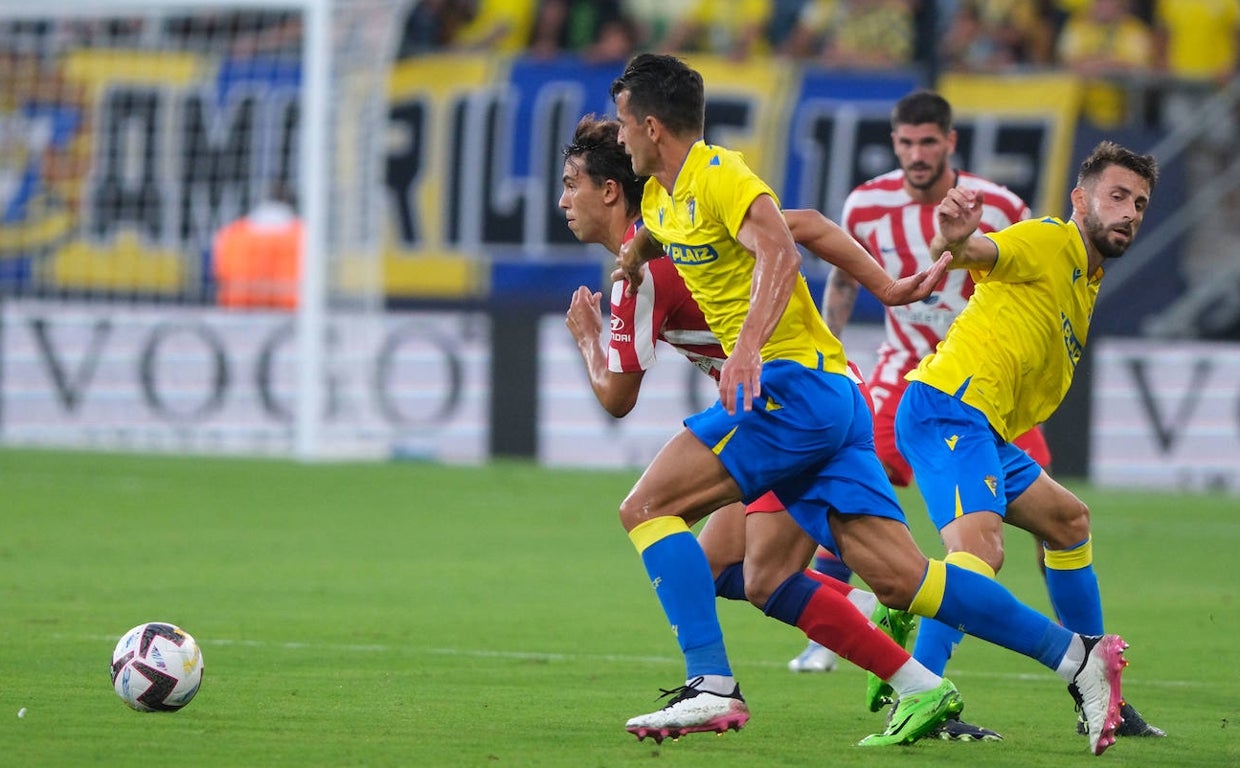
(156, 667)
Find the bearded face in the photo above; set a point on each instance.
(1114, 209)
(1111, 239)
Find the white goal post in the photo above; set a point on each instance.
(131, 133)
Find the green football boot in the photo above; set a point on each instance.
(916, 716)
(897, 625)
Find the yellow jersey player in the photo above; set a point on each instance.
(788, 419)
(1005, 365)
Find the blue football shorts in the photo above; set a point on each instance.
(810, 439)
(960, 463)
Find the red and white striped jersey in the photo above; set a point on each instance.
(663, 309)
(897, 231)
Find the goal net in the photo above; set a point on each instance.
(191, 213)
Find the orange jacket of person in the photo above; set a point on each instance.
(256, 259)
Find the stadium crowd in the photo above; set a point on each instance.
(1114, 43)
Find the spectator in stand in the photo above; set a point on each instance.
(655, 18)
(1197, 44)
(1105, 42)
(732, 28)
(784, 16)
(597, 30)
(256, 259)
(997, 35)
(855, 34)
(499, 26)
(241, 34)
(431, 25)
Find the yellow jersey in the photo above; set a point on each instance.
(1012, 352)
(697, 224)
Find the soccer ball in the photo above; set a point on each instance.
(156, 667)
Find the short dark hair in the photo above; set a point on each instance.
(596, 142)
(666, 88)
(1108, 153)
(920, 107)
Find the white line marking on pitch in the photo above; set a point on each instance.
(543, 656)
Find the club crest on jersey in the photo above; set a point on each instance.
(693, 210)
(692, 255)
(992, 483)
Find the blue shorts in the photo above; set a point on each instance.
(810, 439)
(961, 464)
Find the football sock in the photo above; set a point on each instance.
(826, 563)
(828, 618)
(865, 601)
(936, 642)
(730, 584)
(912, 678)
(681, 578)
(1073, 587)
(984, 608)
(1072, 659)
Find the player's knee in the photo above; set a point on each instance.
(761, 583)
(1072, 526)
(894, 590)
(632, 514)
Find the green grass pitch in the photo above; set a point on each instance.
(418, 615)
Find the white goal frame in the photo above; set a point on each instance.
(315, 100)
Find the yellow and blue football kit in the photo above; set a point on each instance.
(1004, 366)
(810, 420)
(808, 437)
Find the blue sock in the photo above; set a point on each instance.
(936, 642)
(681, 578)
(830, 565)
(985, 608)
(789, 599)
(731, 582)
(1073, 588)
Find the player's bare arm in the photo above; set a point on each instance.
(632, 255)
(616, 392)
(958, 216)
(764, 233)
(838, 300)
(829, 242)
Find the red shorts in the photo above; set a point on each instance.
(767, 502)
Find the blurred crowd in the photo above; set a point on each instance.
(1192, 39)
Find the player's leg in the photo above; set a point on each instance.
(878, 546)
(816, 657)
(1059, 519)
(770, 575)
(657, 514)
(955, 458)
(884, 555)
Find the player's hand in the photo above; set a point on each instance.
(629, 264)
(741, 371)
(916, 287)
(959, 214)
(585, 316)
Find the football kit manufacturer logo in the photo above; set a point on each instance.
(992, 483)
(951, 442)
